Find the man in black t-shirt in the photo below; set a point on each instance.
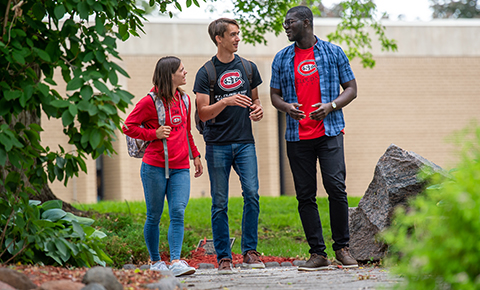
(230, 142)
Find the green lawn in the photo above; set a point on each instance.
(280, 230)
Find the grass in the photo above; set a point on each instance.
(280, 230)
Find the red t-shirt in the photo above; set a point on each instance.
(307, 86)
(176, 117)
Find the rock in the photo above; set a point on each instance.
(299, 263)
(5, 286)
(394, 182)
(169, 283)
(129, 267)
(103, 276)
(145, 267)
(94, 286)
(286, 264)
(272, 264)
(16, 279)
(206, 266)
(61, 285)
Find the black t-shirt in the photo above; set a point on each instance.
(233, 124)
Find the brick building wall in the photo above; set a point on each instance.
(415, 98)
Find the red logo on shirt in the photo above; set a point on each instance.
(230, 80)
(307, 67)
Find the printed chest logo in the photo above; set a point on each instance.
(307, 67)
(230, 80)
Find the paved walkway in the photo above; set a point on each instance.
(291, 278)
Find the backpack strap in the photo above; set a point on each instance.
(212, 79)
(161, 120)
(248, 69)
(187, 107)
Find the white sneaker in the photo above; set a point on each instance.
(159, 266)
(181, 268)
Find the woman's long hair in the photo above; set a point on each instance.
(162, 77)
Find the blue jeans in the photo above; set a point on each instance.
(243, 159)
(177, 191)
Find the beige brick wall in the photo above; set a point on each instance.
(414, 98)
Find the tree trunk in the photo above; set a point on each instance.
(46, 194)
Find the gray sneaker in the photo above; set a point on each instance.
(181, 268)
(159, 266)
(315, 263)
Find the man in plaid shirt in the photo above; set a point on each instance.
(305, 84)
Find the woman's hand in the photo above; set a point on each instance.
(163, 132)
(198, 166)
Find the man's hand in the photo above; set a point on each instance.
(238, 100)
(294, 112)
(163, 132)
(257, 112)
(198, 166)
(322, 111)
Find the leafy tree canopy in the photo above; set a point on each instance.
(455, 9)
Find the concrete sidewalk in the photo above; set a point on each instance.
(291, 278)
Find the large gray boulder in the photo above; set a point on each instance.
(394, 182)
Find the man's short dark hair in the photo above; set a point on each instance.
(219, 26)
(302, 12)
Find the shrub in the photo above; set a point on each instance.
(45, 234)
(435, 243)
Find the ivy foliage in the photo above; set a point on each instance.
(45, 234)
(434, 244)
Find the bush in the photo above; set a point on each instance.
(45, 234)
(435, 243)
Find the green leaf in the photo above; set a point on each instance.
(189, 3)
(51, 204)
(179, 7)
(53, 214)
(75, 84)
(78, 230)
(86, 92)
(61, 247)
(42, 54)
(101, 87)
(11, 95)
(6, 141)
(67, 118)
(18, 57)
(119, 69)
(73, 109)
(38, 11)
(59, 11)
(112, 76)
(92, 109)
(60, 103)
(85, 221)
(98, 234)
(3, 157)
(95, 138)
(83, 9)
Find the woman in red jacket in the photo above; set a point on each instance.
(169, 75)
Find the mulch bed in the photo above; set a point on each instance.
(130, 279)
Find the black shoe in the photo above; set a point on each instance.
(315, 263)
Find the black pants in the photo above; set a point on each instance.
(303, 163)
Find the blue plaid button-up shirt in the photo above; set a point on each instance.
(333, 68)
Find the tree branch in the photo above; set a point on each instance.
(5, 20)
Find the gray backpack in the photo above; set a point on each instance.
(136, 147)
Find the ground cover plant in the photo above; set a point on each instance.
(45, 234)
(280, 230)
(434, 244)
